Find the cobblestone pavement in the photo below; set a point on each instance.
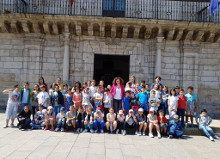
(45, 144)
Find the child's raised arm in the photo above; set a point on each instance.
(7, 91)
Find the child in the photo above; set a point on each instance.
(71, 118)
(89, 120)
(141, 122)
(89, 83)
(182, 103)
(39, 121)
(142, 84)
(134, 103)
(162, 120)
(137, 89)
(147, 86)
(108, 102)
(34, 103)
(97, 98)
(109, 87)
(130, 121)
(126, 103)
(68, 99)
(143, 98)
(77, 99)
(191, 105)
(43, 97)
(25, 96)
(98, 120)
(128, 87)
(172, 104)
(203, 121)
(86, 99)
(175, 128)
(49, 118)
(92, 91)
(111, 123)
(120, 121)
(56, 100)
(153, 101)
(177, 89)
(164, 101)
(60, 119)
(24, 119)
(12, 105)
(80, 120)
(152, 118)
(65, 90)
(59, 83)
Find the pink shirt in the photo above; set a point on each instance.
(113, 90)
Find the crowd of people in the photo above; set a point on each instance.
(89, 107)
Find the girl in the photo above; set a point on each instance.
(52, 88)
(156, 88)
(77, 85)
(49, 118)
(77, 99)
(165, 95)
(109, 87)
(88, 83)
(133, 81)
(172, 103)
(101, 85)
(99, 120)
(68, 100)
(117, 91)
(92, 90)
(89, 120)
(157, 81)
(107, 102)
(152, 118)
(141, 122)
(120, 121)
(111, 122)
(137, 88)
(43, 97)
(12, 105)
(42, 82)
(129, 87)
(84, 85)
(97, 98)
(34, 99)
(57, 100)
(86, 99)
(71, 118)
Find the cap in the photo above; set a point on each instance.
(131, 110)
(62, 109)
(176, 117)
(49, 107)
(141, 110)
(120, 112)
(151, 109)
(44, 111)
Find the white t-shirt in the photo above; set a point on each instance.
(158, 93)
(42, 96)
(60, 116)
(92, 90)
(107, 101)
(154, 102)
(86, 99)
(13, 98)
(25, 96)
(118, 94)
(111, 116)
(98, 95)
(97, 116)
(173, 101)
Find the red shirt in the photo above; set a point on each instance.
(182, 102)
(164, 119)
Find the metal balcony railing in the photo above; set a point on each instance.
(176, 10)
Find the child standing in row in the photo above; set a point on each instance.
(68, 99)
(143, 100)
(126, 102)
(182, 106)
(97, 98)
(86, 99)
(134, 102)
(108, 102)
(153, 101)
(77, 99)
(172, 104)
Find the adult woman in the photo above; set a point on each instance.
(133, 81)
(117, 92)
(157, 81)
(42, 82)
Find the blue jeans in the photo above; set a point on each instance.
(93, 104)
(56, 109)
(79, 124)
(181, 113)
(61, 123)
(25, 123)
(37, 126)
(207, 130)
(176, 133)
(23, 105)
(99, 123)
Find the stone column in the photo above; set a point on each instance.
(158, 56)
(66, 62)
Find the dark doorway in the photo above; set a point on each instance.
(113, 8)
(107, 67)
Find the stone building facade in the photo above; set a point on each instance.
(182, 53)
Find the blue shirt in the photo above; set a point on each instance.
(126, 102)
(191, 98)
(143, 97)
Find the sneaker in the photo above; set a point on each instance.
(117, 131)
(57, 129)
(192, 125)
(22, 129)
(211, 138)
(171, 136)
(5, 126)
(46, 128)
(78, 130)
(124, 132)
(151, 135)
(86, 130)
(216, 137)
(81, 130)
(62, 129)
(144, 134)
(139, 134)
(187, 125)
(52, 128)
(12, 125)
(102, 131)
(159, 136)
(96, 131)
(92, 131)
(19, 127)
(136, 133)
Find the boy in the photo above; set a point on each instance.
(203, 121)
(182, 103)
(24, 119)
(89, 120)
(70, 118)
(142, 84)
(65, 90)
(108, 103)
(57, 100)
(162, 120)
(153, 101)
(191, 105)
(177, 89)
(126, 102)
(134, 102)
(39, 121)
(59, 83)
(12, 105)
(25, 96)
(143, 98)
(175, 128)
(60, 119)
(147, 86)
(80, 120)
(43, 97)
(98, 120)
